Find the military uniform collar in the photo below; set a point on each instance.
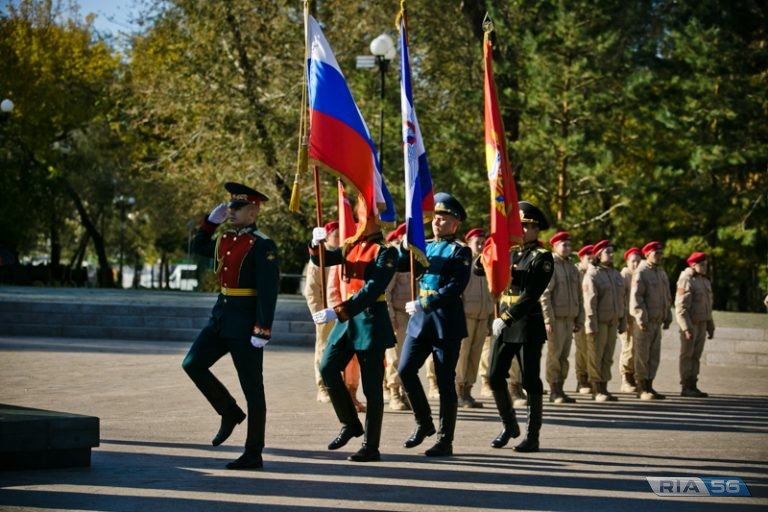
(446, 238)
(531, 245)
(247, 230)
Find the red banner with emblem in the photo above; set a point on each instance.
(506, 229)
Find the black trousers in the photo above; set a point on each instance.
(529, 355)
(335, 358)
(208, 348)
(445, 353)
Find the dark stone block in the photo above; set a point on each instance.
(37, 438)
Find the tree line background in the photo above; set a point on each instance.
(633, 120)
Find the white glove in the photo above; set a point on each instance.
(498, 326)
(324, 315)
(413, 307)
(258, 342)
(318, 235)
(218, 215)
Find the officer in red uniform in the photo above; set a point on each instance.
(363, 328)
(246, 265)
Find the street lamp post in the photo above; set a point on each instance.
(6, 107)
(122, 202)
(383, 50)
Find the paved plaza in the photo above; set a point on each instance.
(155, 451)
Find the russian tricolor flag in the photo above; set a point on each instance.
(419, 200)
(338, 136)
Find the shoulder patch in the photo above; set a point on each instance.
(547, 266)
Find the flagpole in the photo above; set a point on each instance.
(321, 245)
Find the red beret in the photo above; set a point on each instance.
(399, 231)
(475, 232)
(650, 247)
(599, 246)
(696, 257)
(586, 251)
(332, 226)
(630, 252)
(559, 237)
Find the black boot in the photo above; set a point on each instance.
(345, 411)
(444, 445)
(229, 421)
(507, 414)
(251, 459)
(370, 449)
(656, 394)
(365, 454)
(531, 441)
(424, 425)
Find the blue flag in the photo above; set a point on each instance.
(419, 200)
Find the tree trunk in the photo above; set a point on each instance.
(105, 277)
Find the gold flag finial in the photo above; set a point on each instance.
(487, 24)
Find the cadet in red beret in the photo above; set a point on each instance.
(398, 293)
(559, 236)
(586, 251)
(633, 257)
(396, 233)
(563, 311)
(629, 252)
(604, 310)
(693, 309)
(649, 304)
(696, 257)
(478, 311)
(475, 232)
(580, 338)
(651, 247)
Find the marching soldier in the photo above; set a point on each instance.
(362, 329)
(649, 303)
(246, 265)
(632, 256)
(437, 326)
(579, 337)
(313, 294)
(693, 309)
(398, 293)
(519, 331)
(563, 310)
(478, 308)
(604, 310)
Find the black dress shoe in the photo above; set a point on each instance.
(228, 424)
(248, 460)
(441, 449)
(505, 435)
(347, 433)
(365, 454)
(421, 432)
(529, 444)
